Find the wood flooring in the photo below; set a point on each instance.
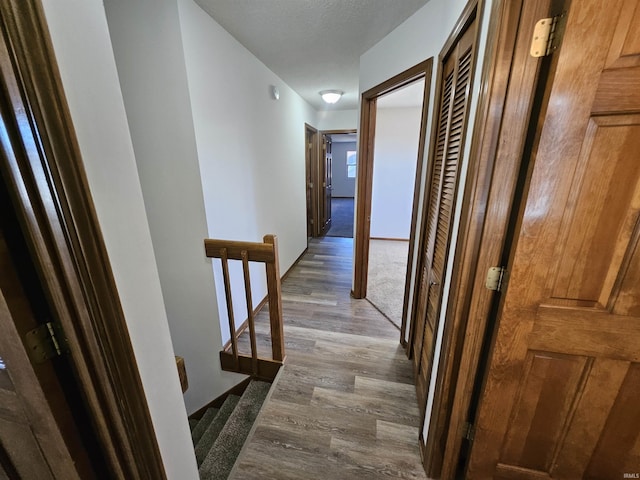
(344, 405)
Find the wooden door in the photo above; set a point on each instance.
(34, 438)
(562, 391)
(310, 147)
(326, 179)
(451, 121)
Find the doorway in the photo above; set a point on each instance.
(366, 149)
(343, 183)
(397, 137)
(329, 180)
(311, 159)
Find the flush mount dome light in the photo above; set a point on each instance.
(331, 96)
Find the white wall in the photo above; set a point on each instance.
(251, 148)
(418, 38)
(394, 172)
(90, 81)
(337, 120)
(147, 44)
(342, 185)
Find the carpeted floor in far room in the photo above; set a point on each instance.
(387, 262)
(387, 276)
(341, 218)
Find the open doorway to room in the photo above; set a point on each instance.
(396, 140)
(331, 171)
(343, 183)
(365, 183)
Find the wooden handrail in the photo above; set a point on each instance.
(267, 253)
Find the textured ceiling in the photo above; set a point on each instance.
(312, 45)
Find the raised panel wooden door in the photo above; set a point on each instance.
(562, 394)
(31, 441)
(456, 75)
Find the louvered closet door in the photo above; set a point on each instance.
(451, 123)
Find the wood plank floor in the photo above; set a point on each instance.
(344, 406)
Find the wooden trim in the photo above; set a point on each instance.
(400, 80)
(258, 252)
(338, 132)
(53, 201)
(390, 239)
(313, 175)
(466, 17)
(438, 425)
(416, 206)
(471, 13)
(364, 181)
(425, 212)
(509, 83)
(320, 166)
(267, 369)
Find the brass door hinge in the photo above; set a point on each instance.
(495, 278)
(547, 35)
(46, 342)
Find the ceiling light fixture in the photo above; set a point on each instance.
(331, 96)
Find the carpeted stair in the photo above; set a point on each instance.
(220, 434)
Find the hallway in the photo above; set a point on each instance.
(344, 405)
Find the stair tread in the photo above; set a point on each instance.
(203, 424)
(223, 454)
(210, 435)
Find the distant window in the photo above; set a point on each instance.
(351, 163)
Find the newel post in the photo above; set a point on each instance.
(275, 301)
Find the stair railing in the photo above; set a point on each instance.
(267, 253)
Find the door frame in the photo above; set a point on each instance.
(52, 199)
(311, 168)
(510, 83)
(321, 164)
(364, 180)
(430, 451)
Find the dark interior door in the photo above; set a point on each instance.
(326, 176)
(561, 397)
(451, 121)
(310, 141)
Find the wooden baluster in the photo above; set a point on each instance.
(227, 291)
(252, 327)
(275, 301)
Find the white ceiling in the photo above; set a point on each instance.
(312, 45)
